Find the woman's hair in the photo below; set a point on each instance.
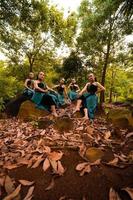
(30, 73)
(38, 75)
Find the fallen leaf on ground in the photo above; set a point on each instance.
(29, 193)
(107, 135)
(97, 162)
(62, 198)
(82, 150)
(55, 155)
(26, 183)
(80, 128)
(129, 135)
(90, 130)
(2, 180)
(14, 194)
(54, 165)
(51, 185)
(81, 166)
(87, 169)
(37, 163)
(60, 168)
(11, 166)
(46, 164)
(9, 186)
(129, 191)
(113, 162)
(113, 195)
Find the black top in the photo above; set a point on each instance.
(92, 89)
(74, 87)
(60, 89)
(41, 85)
(30, 83)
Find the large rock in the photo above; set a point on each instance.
(29, 111)
(121, 117)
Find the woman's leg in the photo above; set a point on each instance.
(53, 109)
(79, 102)
(48, 100)
(86, 113)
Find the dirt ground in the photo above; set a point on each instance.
(92, 186)
(66, 135)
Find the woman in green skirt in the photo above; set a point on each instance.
(61, 91)
(42, 96)
(74, 89)
(88, 97)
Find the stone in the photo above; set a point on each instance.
(121, 117)
(63, 124)
(29, 111)
(93, 154)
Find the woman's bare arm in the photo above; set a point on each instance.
(84, 89)
(100, 87)
(78, 89)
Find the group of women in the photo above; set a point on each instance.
(52, 98)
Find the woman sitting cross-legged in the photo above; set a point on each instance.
(42, 96)
(29, 85)
(74, 89)
(61, 91)
(88, 98)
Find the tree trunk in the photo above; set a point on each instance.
(106, 60)
(111, 87)
(31, 62)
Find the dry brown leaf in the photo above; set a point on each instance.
(10, 166)
(55, 155)
(2, 180)
(129, 191)
(26, 183)
(107, 135)
(129, 135)
(90, 130)
(60, 168)
(97, 162)
(113, 162)
(113, 195)
(81, 128)
(14, 194)
(51, 185)
(46, 164)
(37, 163)
(54, 165)
(82, 150)
(62, 198)
(81, 166)
(87, 169)
(47, 149)
(9, 186)
(29, 193)
(22, 152)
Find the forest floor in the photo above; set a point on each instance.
(65, 159)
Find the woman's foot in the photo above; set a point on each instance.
(86, 117)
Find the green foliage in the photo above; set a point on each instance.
(72, 66)
(9, 86)
(34, 31)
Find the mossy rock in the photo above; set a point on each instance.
(93, 154)
(29, 111)
(63, 124)
(121, 117)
